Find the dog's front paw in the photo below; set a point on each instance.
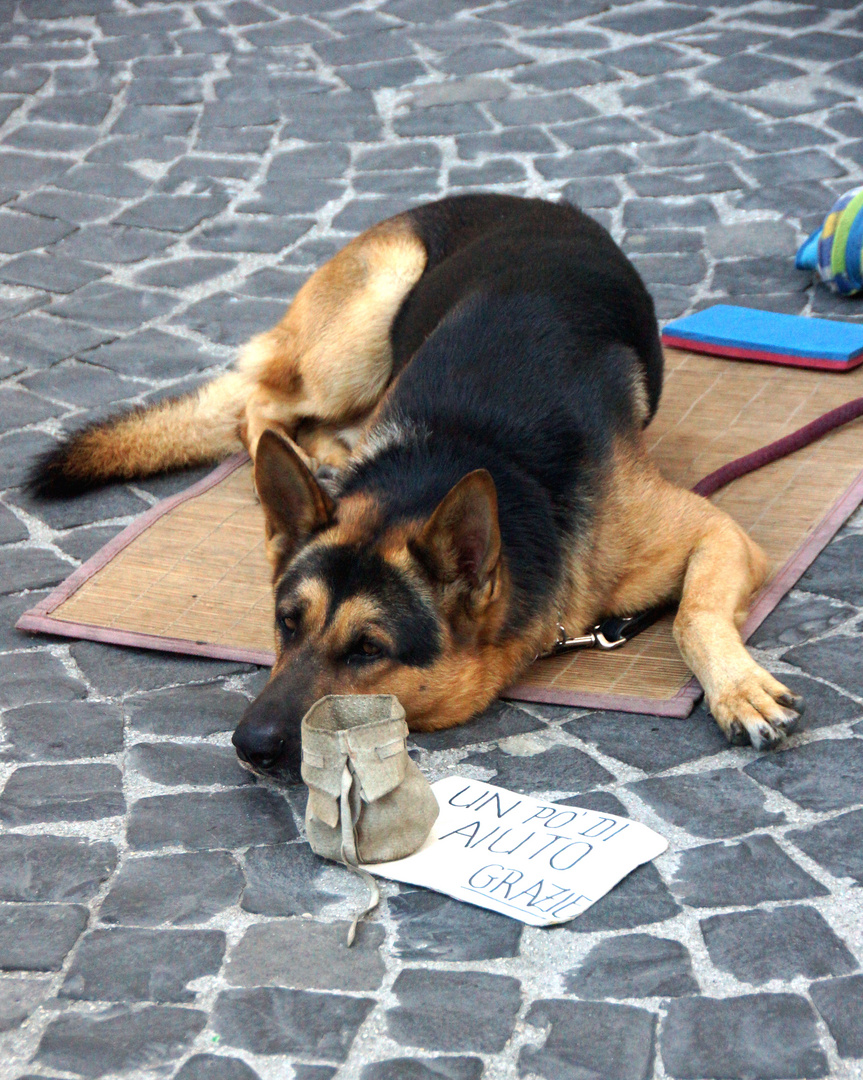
(756, 709)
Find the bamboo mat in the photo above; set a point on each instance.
(191, 576)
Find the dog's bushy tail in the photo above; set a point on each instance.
(196, 429)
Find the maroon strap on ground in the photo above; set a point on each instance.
(782, 447)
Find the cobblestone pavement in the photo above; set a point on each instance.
(169, 173)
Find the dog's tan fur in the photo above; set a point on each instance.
(327, 363)
(653, 542)
(312, 377)
(324, 369)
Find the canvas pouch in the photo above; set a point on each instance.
(368, 801)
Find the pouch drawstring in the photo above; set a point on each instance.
(350, 856)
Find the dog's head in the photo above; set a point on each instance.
(369, 605)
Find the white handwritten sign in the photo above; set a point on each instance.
(542, 863)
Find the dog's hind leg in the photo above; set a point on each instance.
(686, 549)
(327, 363)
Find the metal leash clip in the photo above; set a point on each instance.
(614, 632)
(611, 633)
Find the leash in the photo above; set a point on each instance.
(616, 631)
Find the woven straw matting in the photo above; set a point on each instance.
(192, 576)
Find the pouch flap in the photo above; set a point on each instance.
(324, 807)
(323, 763)
(378, 755)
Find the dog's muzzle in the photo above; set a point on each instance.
(268, 737)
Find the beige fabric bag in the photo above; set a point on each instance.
(368, 801)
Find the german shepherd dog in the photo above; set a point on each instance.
(470, 380)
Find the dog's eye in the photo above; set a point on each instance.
(364, 650)
(288, 624)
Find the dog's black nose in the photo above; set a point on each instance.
(261, 750)
(259, 738)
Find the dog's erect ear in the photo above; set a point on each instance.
(294, 503)
(461, 540)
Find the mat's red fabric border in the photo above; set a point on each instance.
(40, 620)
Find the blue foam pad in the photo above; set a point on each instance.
(748, 334)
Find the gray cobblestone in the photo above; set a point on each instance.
(62, 732)
(832, 844)
(36, 793)
(18, 998)
(66, 513)
(784, 135)
(11, 529)
(114, 243)
(589, 1038)
(142, 965)
(821, 776)
(112, 306)
(765, 1034)
(562, 768)
(42, 340)
(199, 821)
(85, 541)
(118, 1039)
(274, 1020)
(37, 937)
(133, 669)
(47, 272)
(605, 162)
(752, 871)
(840, 1002)
(81, 384)
(174, 889)
(284, 880)
(803, 944)
(436, 1068)
(193, 711)
(454, 1011)
(434, 927)
(23, 232)
(53, 867)
(308, 955)
(28, 568)
(229, 320)
(35, 677)
(716, 804)
(173, 764)
(641, 899)
(634, 966)
(239, 235)
(151, 354)
(180, 273)
(839, 572)
(69, 205)
(654, 744)
(213, 1067)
